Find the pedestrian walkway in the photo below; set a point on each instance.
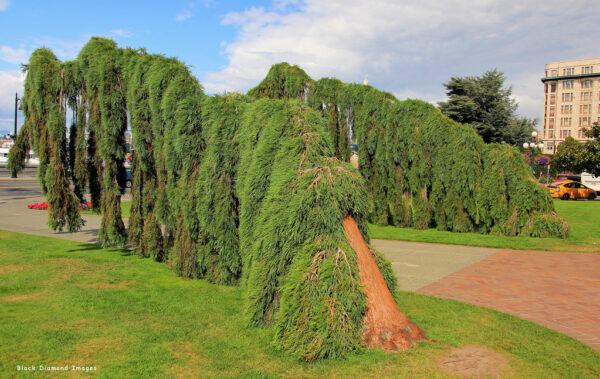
(558, 290)
(418, 264)
(16, 217)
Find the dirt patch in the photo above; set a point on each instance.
(106, 286)
(384, 325)
(192, 364)
(473, 361)
(25, 297)
(91, 349)
(6, 269)
(64, 269)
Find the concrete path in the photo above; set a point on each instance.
(418, 264)
(16, 217)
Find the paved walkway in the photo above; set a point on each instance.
(16, 217)
(558, 290)
(418, 264)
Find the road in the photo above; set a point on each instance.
(28, 172)
(24, 186)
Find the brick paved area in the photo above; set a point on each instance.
(558, 290)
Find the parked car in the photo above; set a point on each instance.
(591, 181)
(571, 190)
(566, 177)
(129, 178)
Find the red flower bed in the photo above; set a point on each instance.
(44, 206)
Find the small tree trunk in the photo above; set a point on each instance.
(384, 325)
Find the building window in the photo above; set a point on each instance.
(587, 69)
(585, 108)
(554, 72)
(553, 87)
(580, 134)
(569, 71)
(567, 96)
(566, 109)
(565, 121)
(564, 133)
(550, 123)
(550, 133)
(552, 111)
(550, 145)
(586, 83)
(568, 84)
(586, 96)
(552, 99)
(584, 121)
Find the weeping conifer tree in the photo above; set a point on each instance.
(422, 169)
(19, 151)
(44, 106)
(239, 190)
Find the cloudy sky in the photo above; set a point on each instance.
(407, 47)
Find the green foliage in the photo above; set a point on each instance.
(44, 104)
(515, 203)
(236, 189)
(283, 81)
(425, 171)
(301, 271)
(219, 256)
(485, 104)
(576, 156)
(19, 150)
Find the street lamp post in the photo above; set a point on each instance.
(532, 144)
(17, 101)
(13, 174)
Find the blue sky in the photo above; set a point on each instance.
(407, 47)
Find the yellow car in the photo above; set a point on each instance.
(571, 190)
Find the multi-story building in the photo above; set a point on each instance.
(571, 100)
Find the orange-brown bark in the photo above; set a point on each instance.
(384, 325)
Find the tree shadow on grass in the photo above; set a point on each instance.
(89, 247)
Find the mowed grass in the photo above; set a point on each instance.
(125, 210)
(583, 218)
(67, 303)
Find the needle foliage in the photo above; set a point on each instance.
(422, 169)
(251, 190)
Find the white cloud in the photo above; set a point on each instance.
(409, 47)
(64, 49)
(527, 91)
(14, 56)
(432, 98)
(184, 15)
(11, 82)
(121, 33)
(4, 4)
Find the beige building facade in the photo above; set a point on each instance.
(571, 100)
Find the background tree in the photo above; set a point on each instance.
(576, 156)
(484, 103)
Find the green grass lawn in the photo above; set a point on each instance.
(583, 218)
(67, 303)
(125, 210)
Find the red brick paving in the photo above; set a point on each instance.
(560, 291)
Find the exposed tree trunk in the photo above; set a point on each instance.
(384, 325)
